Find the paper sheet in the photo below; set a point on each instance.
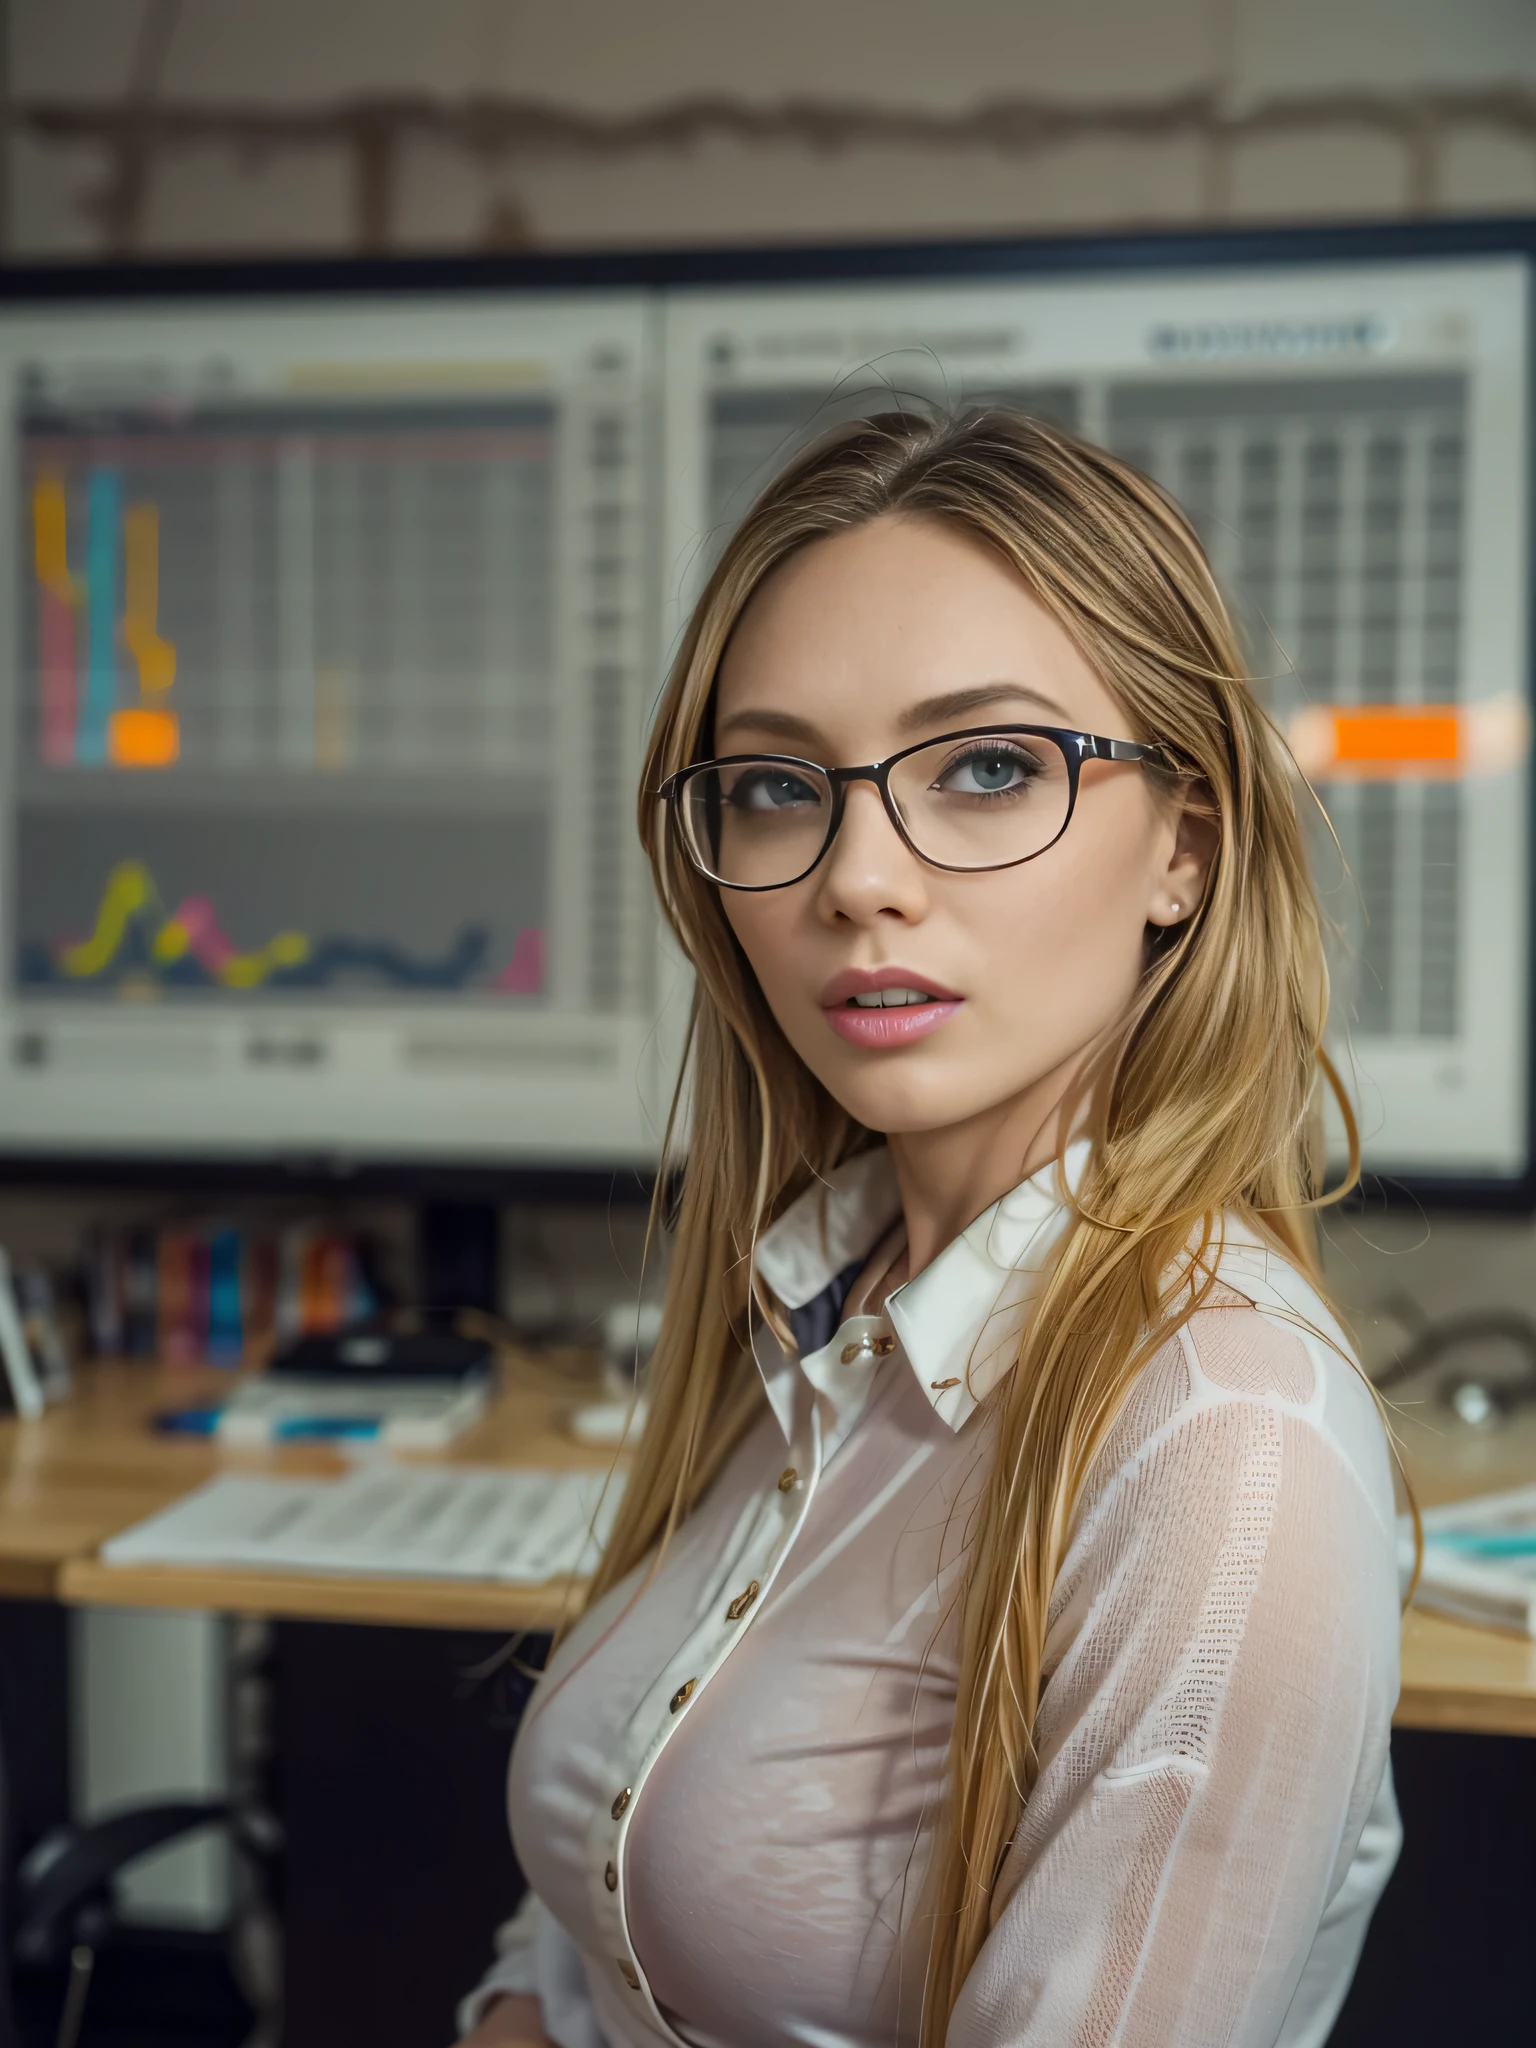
(517, 1527)
(1480, 1560)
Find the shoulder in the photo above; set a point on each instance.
(1275, 1298)
(1248, 1450)
(1262, 1356)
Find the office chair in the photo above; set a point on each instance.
(61, 1901)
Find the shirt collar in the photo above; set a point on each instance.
(959, 1320)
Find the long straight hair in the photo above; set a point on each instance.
(1207, 1104)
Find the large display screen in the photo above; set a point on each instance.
(334, 624)
(1352, 443)
(333, 636)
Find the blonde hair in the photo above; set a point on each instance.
(1206, 1105)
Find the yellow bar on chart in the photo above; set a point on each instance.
(156, 658)
(50, 528)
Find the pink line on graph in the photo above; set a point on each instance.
(200, 921)
(523, 974)
(56, 637)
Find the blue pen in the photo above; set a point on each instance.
(187, 1421)
(328, 1428)
(1495, 1543)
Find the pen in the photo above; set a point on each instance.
(186, 1421)
(1495, 1543)
(297, 1428)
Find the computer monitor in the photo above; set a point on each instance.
(1352, 440)
(333, 634)
(338, 601)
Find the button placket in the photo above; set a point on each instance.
(782, 1515)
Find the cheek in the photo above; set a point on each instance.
(764, 928)
(1065, 938)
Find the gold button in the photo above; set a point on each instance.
(883, 1346)
(942, 1386)
(628, 1972)
(742, 1602)
(789, 1479)
(621, 1802)
(683, 1694)
(851, 1352)
(611, 1878)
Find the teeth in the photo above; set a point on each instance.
(892, 998)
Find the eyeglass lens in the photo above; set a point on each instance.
(974, 803)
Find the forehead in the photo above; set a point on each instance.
(852, 636)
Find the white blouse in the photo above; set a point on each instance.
(725, 1788)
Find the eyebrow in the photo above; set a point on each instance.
(951, 704)
(961, 704)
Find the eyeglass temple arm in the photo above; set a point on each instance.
(1128, 750)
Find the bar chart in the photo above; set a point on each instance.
(308, 590)
(326, 645)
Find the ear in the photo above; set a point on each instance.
(1179, 888)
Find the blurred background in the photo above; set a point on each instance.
(140, 130)
(221, 1142)
(161, 127)
(181, 129)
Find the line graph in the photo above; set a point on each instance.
(137, 939)
(192, 932)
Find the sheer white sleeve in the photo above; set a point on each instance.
(535, 1956)
(514, 1970)
(1222, 1669)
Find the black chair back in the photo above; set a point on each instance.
(8, 2038)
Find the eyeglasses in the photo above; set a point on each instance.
(992, 797)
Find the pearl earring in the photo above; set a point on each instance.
(1175, 909)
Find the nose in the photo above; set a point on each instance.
(869, 872)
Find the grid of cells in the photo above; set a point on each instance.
(1334, 513)
(609, 623)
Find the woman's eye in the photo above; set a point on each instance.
(771, 790)
(989, 771)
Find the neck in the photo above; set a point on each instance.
(948, 1177)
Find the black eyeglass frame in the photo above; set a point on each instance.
(1076, 748)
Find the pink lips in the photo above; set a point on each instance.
(881, 1029)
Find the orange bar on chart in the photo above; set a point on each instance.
(143, 739)
(1383, 736)
(1410, 742)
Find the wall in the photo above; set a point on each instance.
(182, 125)
(153, 126)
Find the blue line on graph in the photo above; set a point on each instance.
(101, 616)
(334, 958)
(333, 961)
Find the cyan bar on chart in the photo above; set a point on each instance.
(102, 610)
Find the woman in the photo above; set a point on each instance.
(999, 1636)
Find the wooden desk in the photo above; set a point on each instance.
(92, 1468)
(1456, 1677)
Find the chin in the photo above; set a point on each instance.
(897, 1107)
